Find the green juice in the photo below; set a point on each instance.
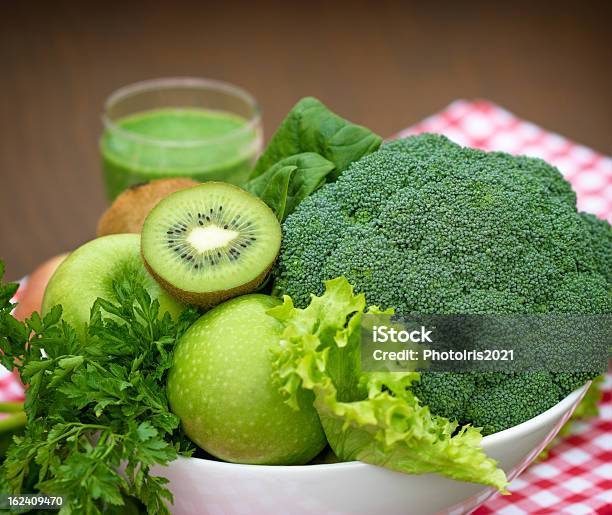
(200, 144)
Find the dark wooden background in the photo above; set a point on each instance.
(385, 65)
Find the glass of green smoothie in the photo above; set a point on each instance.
(179, 127)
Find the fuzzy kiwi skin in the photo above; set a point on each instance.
(129, 210)
(208, 299)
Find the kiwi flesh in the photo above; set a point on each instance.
(209, 243)
(128, 211)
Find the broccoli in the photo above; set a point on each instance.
(601, 243)
(495, 401)
(449, 392)
(425, 226)
(513, 399)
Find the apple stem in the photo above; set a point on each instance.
(11, 407)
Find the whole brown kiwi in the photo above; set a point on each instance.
(128, 211)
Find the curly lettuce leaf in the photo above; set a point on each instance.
(371, 417)
(285, 184)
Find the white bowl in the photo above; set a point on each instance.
(205, 487)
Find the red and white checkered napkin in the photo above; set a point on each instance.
(577, 476)
(575, 479)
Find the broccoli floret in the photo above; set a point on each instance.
(422, 146)
(448, 392)
(426, 226)
(548, 176)
(495, 401)
(567, 382)
(601, 243)
(514, 398)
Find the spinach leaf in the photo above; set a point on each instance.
(311, 127)
(285, 184)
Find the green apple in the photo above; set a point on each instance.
(89, 272)
(220, 387)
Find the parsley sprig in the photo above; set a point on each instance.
(97, 412)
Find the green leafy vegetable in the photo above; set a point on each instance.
(371, 417)
(311, 145)
(14, 418)
(311, 127)
(285, 184)
(97, 413)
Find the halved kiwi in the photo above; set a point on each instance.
(211, 242)
(128, 211)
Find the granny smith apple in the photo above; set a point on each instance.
(89, 272)
(220, 386)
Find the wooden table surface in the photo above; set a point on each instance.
(385, 65)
